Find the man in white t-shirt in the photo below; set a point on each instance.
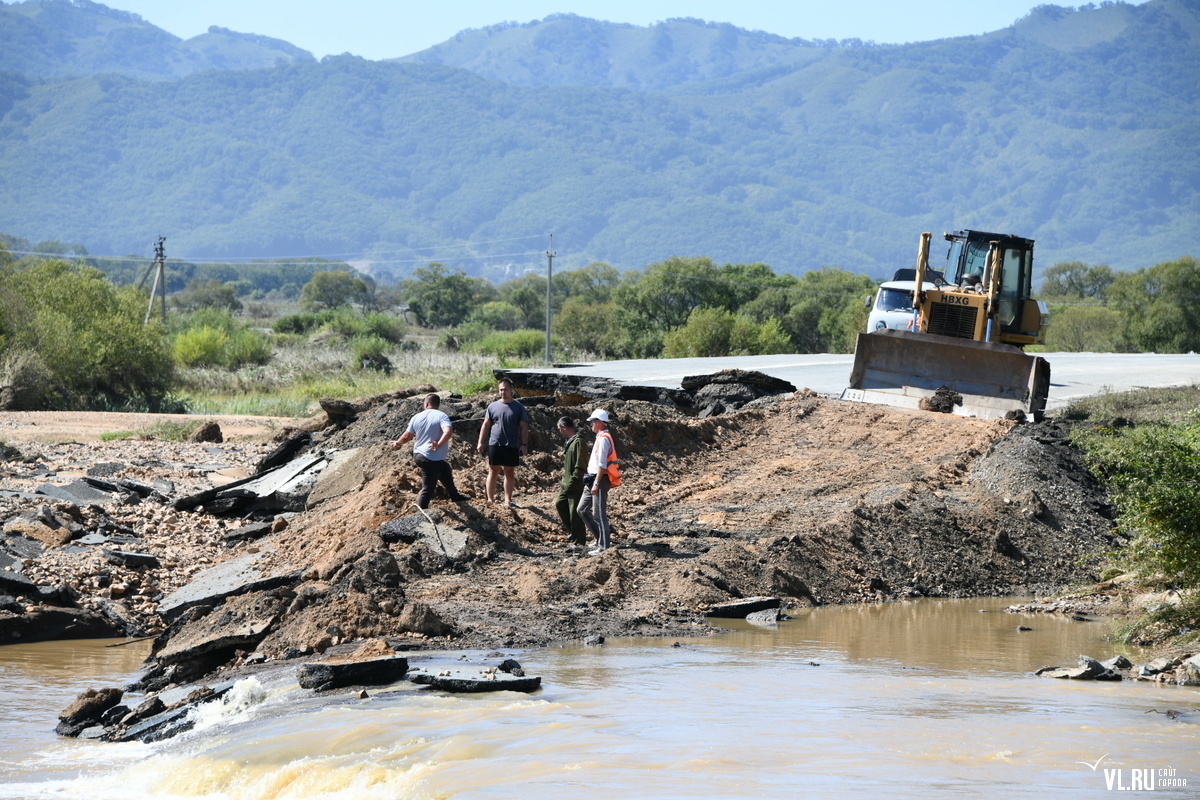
(593, 504)
(431, 430)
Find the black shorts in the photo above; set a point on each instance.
(501, 456)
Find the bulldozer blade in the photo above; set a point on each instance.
(899, 368)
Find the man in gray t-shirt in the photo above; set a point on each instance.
(431, 430)
(505, 430)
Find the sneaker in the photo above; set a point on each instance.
(460, 498)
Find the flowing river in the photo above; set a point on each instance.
(931, 699)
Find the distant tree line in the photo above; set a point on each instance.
(1095, 309)
(678, 307)
(71, 337)
(275, 279)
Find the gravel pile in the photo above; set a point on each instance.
(121, 556)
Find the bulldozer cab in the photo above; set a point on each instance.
(967, 261)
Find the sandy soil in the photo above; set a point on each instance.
(89, 426)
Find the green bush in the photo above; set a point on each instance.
(208, 293)
(512, 344)
(1083, 329)
(1159, 307)
(201, 347)
(391, 329)
(297, 323)
(281, 341)
(588, 328)
(1152, 473)
(483, 383)
(84, 338)
(247, 347)
(823, 312)
(332, 289)
(370, 352)
(499, 315)
(220, 319)
(462, 337)
(345, 322)
(212, 337)
(26, 382)
(711, 332)
(350, 324)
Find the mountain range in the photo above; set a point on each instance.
(1075, 127)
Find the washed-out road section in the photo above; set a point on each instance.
(1072, 375)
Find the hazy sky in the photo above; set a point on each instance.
(378, 29)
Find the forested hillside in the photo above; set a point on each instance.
(631, 145)
(569, 50)
(71, 38)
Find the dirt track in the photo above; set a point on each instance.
(89, 426)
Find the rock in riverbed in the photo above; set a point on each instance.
(481, 679)
(323, 675)
(1089, 669)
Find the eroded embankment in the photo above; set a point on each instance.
(812, 500)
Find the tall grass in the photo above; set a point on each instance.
(1173, 405)
(167, 430)
(298, 376)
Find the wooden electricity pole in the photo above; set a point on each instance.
(160, 279)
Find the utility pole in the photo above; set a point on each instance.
(549, 277)
(160, 279)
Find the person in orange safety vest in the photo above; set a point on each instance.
(603, 473)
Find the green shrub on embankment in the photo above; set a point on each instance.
(1149, 460)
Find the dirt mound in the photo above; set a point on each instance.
(811, 500)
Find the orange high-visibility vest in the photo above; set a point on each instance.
(613, 468)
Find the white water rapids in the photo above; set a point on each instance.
(925, 700)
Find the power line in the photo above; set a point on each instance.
(459, 258)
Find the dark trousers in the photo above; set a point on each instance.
(566, 502)
(431, 473)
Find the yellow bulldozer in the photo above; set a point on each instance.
(962, 350)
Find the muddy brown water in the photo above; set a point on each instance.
(926, 699)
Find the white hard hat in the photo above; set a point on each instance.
(599, 414)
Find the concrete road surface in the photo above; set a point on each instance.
(1072, 375)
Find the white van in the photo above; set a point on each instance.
(893, 306)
